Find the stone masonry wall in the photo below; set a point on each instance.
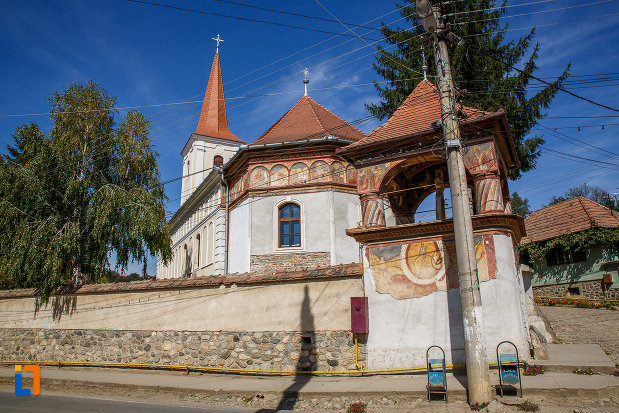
(269, 350)
(588, 289)
(289, 261)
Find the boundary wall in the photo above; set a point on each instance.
(284, 321)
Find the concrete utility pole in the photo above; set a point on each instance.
(470, 297)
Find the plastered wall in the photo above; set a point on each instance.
(402, 329)
(325, 217)
(268, 307)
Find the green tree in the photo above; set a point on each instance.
(595, 193)
(520, 205)
(72, 197)
(484, 81)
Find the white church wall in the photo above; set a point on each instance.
(401, 330)
(346, 214)
(325, 216)
(240, 237)
(315, 219)
(200, 155)
(220, 243)
(203, 221)
(505, 308)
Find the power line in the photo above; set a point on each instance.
(553, 151)
(293, 14)
(542, 25)
(543, 81)
(188, 102)
(533, 12)
(241, 18)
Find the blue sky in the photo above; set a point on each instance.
(147, 55)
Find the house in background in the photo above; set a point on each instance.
(589, 272)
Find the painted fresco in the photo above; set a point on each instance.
(299, 173)
(245, 181)
(319, 172)
(370, 177)
(416, 269)
(237, 188)
(279, 175)
(481, 158)
(350, 175)
(337, 172)
(259, 178)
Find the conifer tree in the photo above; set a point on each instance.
(481, 58)
(72, 197)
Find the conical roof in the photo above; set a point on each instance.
(307, 119)
(213, 121)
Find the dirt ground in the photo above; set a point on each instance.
(586, 326)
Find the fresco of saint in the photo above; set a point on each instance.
(279, 175)
(299, 173)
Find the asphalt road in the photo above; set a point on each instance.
(10, 403)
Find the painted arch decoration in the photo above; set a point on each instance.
(282, 174)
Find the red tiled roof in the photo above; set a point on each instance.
(573, 215)
(417, 114)
(213, 121)
(307, 119)
(334, 271)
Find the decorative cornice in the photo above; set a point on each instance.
(218, 141)
(295, 189)
(500, 221)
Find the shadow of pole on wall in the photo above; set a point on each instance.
(307, 359)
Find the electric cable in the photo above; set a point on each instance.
(290, 26)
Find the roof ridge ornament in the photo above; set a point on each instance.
(218, 40)
(306, 73)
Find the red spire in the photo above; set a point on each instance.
(213, 121)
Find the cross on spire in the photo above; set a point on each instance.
(218, 40)
(306, 73)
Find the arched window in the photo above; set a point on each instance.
(289, 225)
(211, 244)
(204, 252)
(198, 251)
(185, 265)
(218, 160)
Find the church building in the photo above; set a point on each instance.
(281, 202)
(315, 192)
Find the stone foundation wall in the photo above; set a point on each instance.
(289, 261)
(269, 350)
(588, 289)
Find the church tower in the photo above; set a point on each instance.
(212, 144)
